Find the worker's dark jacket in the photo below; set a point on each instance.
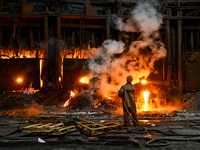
(127, 92)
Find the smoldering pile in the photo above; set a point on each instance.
(10, 101)
(85, 100)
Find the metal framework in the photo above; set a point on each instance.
(58, 25)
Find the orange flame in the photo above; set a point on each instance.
(72, 94)
(25, 54)
(146, 96)
(107, 96)
(84, 80)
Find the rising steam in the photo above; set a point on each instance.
(116, 61)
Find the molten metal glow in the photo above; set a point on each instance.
(84, 80)
(107, 96)
(144, 81)
(146, 96)
(19, 80)
(72, 94)
(25, 54)
(76, 53)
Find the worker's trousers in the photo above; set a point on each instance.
(133, 112)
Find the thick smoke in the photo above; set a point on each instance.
(116, 60)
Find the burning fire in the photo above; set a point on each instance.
(146, 96)
(107, 96)
(19, 80)
(144, 81)
(72, 94)
(84, 80)
(25, 54)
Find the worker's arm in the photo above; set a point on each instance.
(121, 92)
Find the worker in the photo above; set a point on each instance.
(127, 92)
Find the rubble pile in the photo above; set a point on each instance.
(81, 101)
(191, 101)
(10, 101)
(15, 101)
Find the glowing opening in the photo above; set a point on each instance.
(19, 80)
(84, 80)
(144, 81)
(146, 97)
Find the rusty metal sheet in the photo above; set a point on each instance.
(26, 68)
(192, 75)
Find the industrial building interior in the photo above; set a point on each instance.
(62, 63)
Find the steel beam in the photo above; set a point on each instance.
(46, 32)
(169, 52)
(58, 57)
(192, 41)
(0, 37)
(179, 50)
(31, 39)
(93, 40)
(72, 44)
(108, 24)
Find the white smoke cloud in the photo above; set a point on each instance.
(116, 61)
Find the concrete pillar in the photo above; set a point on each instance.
(179, 50)
(169, 52)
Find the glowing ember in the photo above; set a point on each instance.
(60, 79)
(84, 80)
(72, 94)
(107, 96)
(146, 96)
(96, 104)
(19, 80)
(144, 81)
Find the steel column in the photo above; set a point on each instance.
(45, 67)
(93, 40)
(192, 41)
(58, 57)
(179, 48)
(169, 52)
(31, 39)
(0, 37)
